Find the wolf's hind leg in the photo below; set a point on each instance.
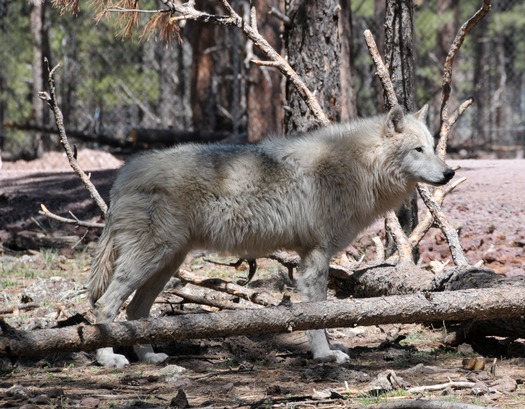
(134, 269)
(313, 286)
(107, 308)
(140, 306)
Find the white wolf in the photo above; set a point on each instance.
(310, 194)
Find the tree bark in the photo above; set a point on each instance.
(345, 32)
(448, 13)
(445, 306)
(41, 50)
(166, 58)
(264, 94)
(399, 57)
(203, 95)
(405, 279)
(314, 41)
(399, 50)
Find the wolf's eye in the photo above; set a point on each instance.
(419, 149)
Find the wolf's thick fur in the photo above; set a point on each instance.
(311, 194)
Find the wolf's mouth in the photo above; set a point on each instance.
(447, 176)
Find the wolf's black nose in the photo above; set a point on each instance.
(448, 174)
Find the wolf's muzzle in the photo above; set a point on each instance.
(447, 175)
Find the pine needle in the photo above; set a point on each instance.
(166, 27)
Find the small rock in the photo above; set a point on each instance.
(171, 372)
(465, 349)
(180, 401)
(89, 402)
(515, 273)
(41, 400)
(504, 384)
(17, 391)
(321, 395)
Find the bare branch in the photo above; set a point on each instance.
(448, 230)
(51, 99)
(265, 63)
(187, 11)
(399, 236)
(426, 222)
(205, 298)
(453, 52)
(254, 296)
(275, 12)
(403, 247)
(45, 212)
(382, 70)
(441, 148)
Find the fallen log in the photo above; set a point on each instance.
(384, 280)
(148, 137)
(421, 307)
(138, 138)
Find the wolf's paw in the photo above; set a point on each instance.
(333, 355)
(339, 347)
(154, 358)
(107, 358)
(146, 354)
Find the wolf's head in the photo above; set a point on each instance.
(413, 147)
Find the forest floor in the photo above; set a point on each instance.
(264, 371)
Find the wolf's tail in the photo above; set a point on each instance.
(102, 267)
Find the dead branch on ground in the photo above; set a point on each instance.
(136, 139)
(15, 309)
(420, 307)
(255, 296)
(193, 295)
(427, 404)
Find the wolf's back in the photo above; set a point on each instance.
(102, 266)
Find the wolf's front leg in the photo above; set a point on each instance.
(146, 354)
(322, 350)
(313, 286)
(106, 357)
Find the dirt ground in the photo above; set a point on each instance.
(40, 287)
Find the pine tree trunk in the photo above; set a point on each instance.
(314, 41)
(264, 94)
(41, 50)
(399, 57)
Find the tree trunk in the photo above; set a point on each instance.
(379, 21)
(314, 41)
(345, 32)
(264, 95)
(70, 77)
(399, 57)
(445, 306)
(447, 13)
(41, 49)
(203, 94)
(399, 51)
(167, 62)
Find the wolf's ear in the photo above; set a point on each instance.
(395, 121)
(422, 113)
